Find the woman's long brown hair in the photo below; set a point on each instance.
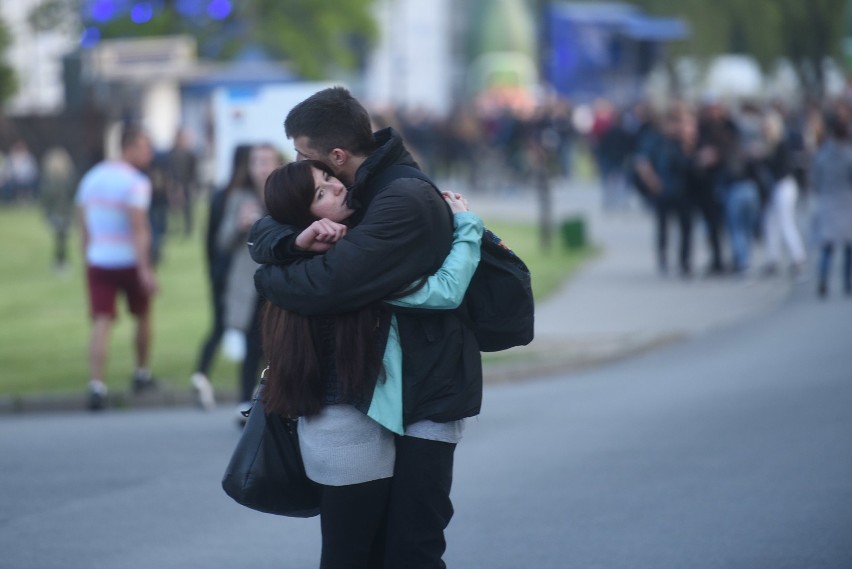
(297, 357)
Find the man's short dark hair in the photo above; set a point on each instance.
(332, 118)
(130, 133)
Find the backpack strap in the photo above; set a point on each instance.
(499, 305)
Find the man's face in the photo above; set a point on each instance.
(140, 152)
(305, 151)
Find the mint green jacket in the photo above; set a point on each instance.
(443, 290)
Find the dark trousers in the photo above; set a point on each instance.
(351, 518)
(667, 207)
(420, 508)
(713, 216)
(214, 338)
(60, 247)
(826, 254)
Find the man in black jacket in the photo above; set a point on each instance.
(401, 230)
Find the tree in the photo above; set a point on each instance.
(812, 32)
(8, 79)
(805, 33)
(314, 35)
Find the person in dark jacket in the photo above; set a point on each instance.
(218, 263)
(401, 231)
(664, 165)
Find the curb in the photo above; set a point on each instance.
(543, 357)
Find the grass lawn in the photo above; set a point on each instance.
(44, 322)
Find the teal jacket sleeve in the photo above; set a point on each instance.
(445, 289)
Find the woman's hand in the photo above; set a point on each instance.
(457, 202)
(319, 236)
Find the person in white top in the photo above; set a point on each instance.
(113, 200)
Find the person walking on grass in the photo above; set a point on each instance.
(56, 193)
(218, 265)
(243, 206)
(113, 200)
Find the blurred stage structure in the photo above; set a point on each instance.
(595, 49)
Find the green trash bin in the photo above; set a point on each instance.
(573, 232)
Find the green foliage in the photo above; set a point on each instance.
(806, 33)
(44, 336)
(8, 79)
(53, 14)
(314, 35)
(765, 29)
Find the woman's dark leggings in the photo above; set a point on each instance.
(352, 521)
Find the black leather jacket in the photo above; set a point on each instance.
(402, 231)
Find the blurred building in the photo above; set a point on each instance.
(36, 57)
(416, 62)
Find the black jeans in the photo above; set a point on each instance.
(680, 208)
(352, 520)
(713, 216)
(214, 337)
(420, 508)
(826, 254)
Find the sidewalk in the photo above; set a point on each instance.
(613, 307)
(618, 305)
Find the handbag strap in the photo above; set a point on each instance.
(245, 412)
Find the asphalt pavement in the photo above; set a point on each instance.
(710, 432)
(728, 450)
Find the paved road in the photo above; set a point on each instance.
(731, 450)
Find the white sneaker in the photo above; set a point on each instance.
(234, 344)
(97, 398)
(203, 391)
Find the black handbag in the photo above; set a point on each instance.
(266, 472)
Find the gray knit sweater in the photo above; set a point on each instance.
(342, 446)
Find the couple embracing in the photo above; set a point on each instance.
(363, 263)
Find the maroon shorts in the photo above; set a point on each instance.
(104, 286)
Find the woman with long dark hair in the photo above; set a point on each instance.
(341, 375)
(243, 206)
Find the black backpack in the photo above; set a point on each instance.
(499, 301)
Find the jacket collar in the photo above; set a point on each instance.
(389, 150)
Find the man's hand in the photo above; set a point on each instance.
(249, 213)
(320, 236)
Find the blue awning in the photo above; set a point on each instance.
(646, 28)
(621, 18)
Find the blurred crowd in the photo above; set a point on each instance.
(749, 175)
(745, 177)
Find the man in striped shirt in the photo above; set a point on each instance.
(113, 199)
